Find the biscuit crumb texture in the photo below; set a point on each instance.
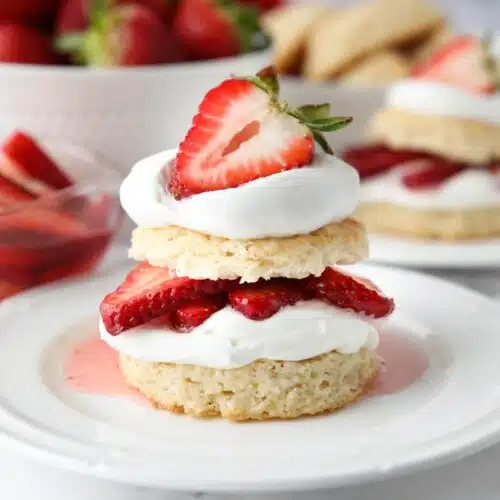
(262, 390)
(200, 256)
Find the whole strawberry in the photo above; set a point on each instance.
(73, 16)
(122, 35)
(20, 44)
(217, 28)
(26, 10)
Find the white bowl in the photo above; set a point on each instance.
(123, 113)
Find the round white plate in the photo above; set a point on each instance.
(436, 255)
(452, 411)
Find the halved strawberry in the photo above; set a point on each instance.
(12, 194)
(29, 165)
(243, 132)
(350, 292)
(149, 292)
(193, 313)
(462, 63)
(263, 299)
(430, 173)
(377, 158)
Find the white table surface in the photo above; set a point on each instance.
(474, 478)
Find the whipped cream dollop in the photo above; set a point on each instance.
(288, 203)
(229, 340)
(472, 188)
(435, 98)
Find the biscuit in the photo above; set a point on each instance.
(262, 390)
(289, 28)
(459, 139)
(198, 255)
(338, 42)
(437, 39)
(446, 225)
(379, 69)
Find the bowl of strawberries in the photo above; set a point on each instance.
(121, 77)
(53, 225)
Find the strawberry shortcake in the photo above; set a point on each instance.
(238, 307)
(432, 168)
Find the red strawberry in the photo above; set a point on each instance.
(211, 29)
(349, 292)
(9, 288)
(165, 9)
(376, 159)
(193, 313)
(26, 10)
(73, 16)
(494, 167)
(460, 63)
(20, 44)
(124, 35)
(29, 165)
(242, 132)
(12, 194)
(263, 299)
(149, 292)
(430, 173)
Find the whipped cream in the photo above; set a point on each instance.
(439, 99)
(293, 202)
(472, 188)
(230, 340)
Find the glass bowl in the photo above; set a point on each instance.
(65, 233)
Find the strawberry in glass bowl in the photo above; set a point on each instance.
(52, 225)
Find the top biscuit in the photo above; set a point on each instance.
(338, 42)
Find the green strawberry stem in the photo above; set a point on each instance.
(316, 117)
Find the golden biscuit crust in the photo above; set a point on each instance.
(459, 139)
(262, 390)
(200, 256)
(396, 220)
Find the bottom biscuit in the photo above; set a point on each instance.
(262, 390)
(447, 225)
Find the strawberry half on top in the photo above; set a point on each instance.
(465, 62)
(243, 132)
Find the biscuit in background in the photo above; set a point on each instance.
(289, 28)
(338, 42)
(432, 44)
(378, 69)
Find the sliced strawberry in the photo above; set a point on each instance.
(29, 161)
(193, 313)
(263, 299)
(149, 292)
(43, 220)
(459, 63)
(349, 292)
(494, 167)
(242, 132)
(12, 194)
(430, 173)
(377, 158)
(8, 288)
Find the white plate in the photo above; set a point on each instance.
(452, 411)
(436, 255)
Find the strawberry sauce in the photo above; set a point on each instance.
(93, 367)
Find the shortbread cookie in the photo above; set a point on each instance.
(338, 42)
(261, 390)
(289, 28)
(379, 69)
(198, 255)
(437, 39)
(391, 219)
(459, 139)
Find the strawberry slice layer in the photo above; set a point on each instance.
(188, 316)
(460, 63)
(430, 173)
(264, 299)
(377, 158)
(149, 292)
(27, 160)
(12, 194)
(349, 292)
